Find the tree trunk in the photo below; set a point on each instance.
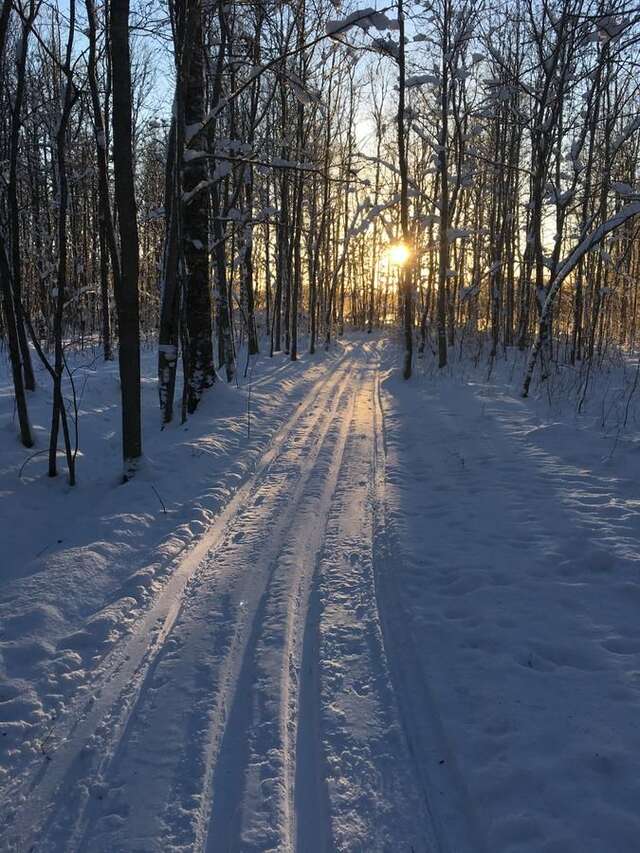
(107, 234)
(406, 277)
(127, 287)
(443, 166)
(14, 346)
(195, 235)
(12, 192)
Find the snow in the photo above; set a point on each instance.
(79, 564)
(626, 132)
(422, 79)
(516, 548)
(364, 19)
(454, 234)
(402, 616)
(623, 190)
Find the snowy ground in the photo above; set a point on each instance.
(398, 617)
(514, 581)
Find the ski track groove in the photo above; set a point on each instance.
(254, 675)
(278, 663)
(298, 619)
(375, 801)
(311, 796)
(121, 675)
(235, 652)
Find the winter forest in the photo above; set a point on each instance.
(319, 426)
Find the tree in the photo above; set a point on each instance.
(200, 372)
(406, 269)
(126, 292)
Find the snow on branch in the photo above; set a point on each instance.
(365, 19)
(303, 93)
(626, 132)
(422, 80)
(568, 265)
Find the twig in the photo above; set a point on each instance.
(43, 743)
(164, 509)
(29, 458)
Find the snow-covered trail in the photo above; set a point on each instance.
(252, 708)
(413, 628)
(514, 549)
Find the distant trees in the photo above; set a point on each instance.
(255, 204)
(523, 139)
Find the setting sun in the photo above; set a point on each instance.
(399, 254)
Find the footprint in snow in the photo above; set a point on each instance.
(622, 645)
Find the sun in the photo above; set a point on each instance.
(399, 254)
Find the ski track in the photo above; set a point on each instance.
(284, 693)
(253, 707)
(301, 682)
(374, 800)
(455, 824)
(92, 724)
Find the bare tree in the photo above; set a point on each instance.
(126, 292)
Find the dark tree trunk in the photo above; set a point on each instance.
(14, 346)
(169, 331)
(195, 237)
(107, 235)
(6, 291)
(127, 289)
(14, 214)
(406, 271)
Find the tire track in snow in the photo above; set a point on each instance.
(120, 678)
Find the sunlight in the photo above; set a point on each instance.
(399, 254)
(365, 130)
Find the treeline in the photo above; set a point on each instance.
(525, 163)
(224, 177)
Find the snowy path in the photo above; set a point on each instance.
(514, 577)
(252, 708)
(413, 629)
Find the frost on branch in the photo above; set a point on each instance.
(365, 19)
(303, 93)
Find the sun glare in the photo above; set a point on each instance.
(399, 254)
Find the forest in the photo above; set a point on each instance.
(319, 426)
(219, 177)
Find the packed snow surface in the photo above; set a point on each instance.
(333, 611)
